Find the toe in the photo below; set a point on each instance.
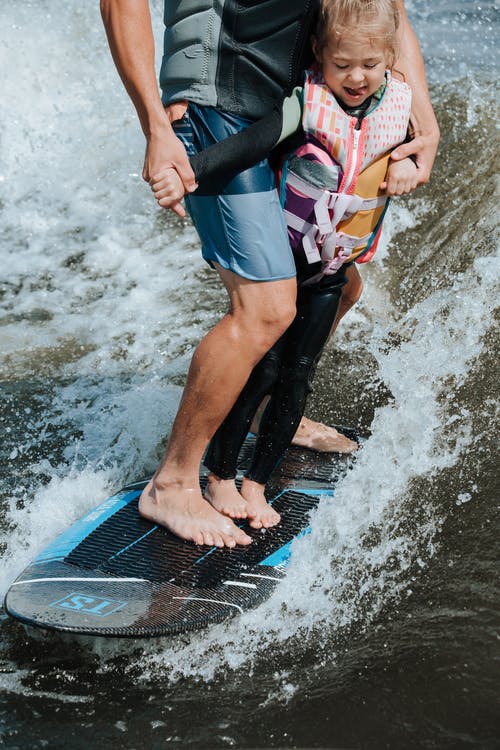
(243, 538)
(218, 540)
(208, 539)
(198, 539)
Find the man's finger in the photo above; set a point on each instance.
(187, 176)
(406, 149)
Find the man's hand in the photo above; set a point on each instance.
(401, 178)
(425, 148)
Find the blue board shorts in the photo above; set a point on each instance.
(242, 228)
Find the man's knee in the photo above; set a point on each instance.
(277, 318)
(261, 311)
(269, 325)
(266, 313)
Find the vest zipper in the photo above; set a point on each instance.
(354, 160)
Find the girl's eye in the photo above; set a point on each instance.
(341, 67)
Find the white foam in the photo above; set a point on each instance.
(46, 514)
(17, 683)
(126, 434)
(98, 269)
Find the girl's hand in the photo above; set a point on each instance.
(168, 188)
(424, 148)
(401, 178)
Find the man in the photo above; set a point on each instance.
(231, 63)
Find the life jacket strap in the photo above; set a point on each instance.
(310, 238)
(350, 242)
(323, 233)
(342, 204)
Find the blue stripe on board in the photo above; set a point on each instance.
(282, 555)
(68, 540)
(136, 541)
(314, 492)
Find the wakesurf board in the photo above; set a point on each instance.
(113, 573)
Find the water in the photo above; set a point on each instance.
(384, 636)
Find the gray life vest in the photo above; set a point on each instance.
(241, 57)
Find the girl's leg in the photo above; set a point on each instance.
(222, 454)
(316, 311)
(315, 435)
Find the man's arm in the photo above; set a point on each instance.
(130, 37)
(423, 121)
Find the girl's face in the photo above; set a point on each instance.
(353, 68)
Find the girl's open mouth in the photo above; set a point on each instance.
(355, 93)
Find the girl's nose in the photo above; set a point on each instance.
(356, 75)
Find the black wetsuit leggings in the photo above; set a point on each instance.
(285, 374)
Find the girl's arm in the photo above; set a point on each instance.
(130, 37)
(423, 121)
(217, 165)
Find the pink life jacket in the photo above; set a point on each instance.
(330, 185)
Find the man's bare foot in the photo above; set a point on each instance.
(224, 497)
(259, 512)
(321, 437)
(187, 515)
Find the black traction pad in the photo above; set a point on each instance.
(116, 574)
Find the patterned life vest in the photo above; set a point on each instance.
(330, 185)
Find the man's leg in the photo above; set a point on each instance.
(259, 313)
(243, 235)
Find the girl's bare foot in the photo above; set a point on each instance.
(224, 497)
(321, 437)
(186, 514)
(260, 514)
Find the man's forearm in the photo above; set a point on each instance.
(410, 62)
(131, 40)
(423, 120)
(130, 37)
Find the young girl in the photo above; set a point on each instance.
(349, 114)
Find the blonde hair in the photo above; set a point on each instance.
(376, 20)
